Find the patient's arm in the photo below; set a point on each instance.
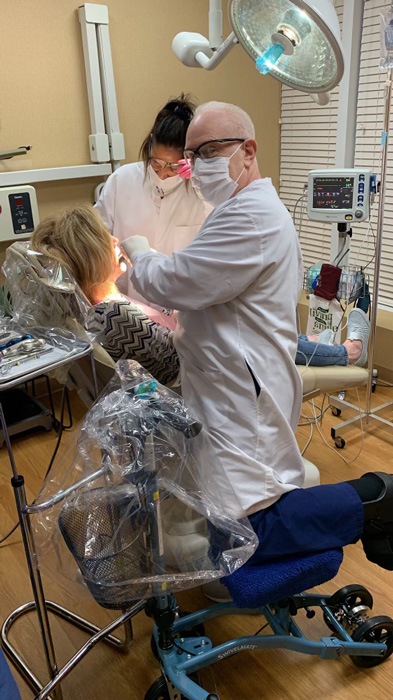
(126, 332)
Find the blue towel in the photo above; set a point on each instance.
(254, 585)
(8, 687)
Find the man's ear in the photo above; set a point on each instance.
(250, 148)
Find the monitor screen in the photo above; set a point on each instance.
(332, 193)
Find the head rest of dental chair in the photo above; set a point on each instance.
(43, 290)
(252, 586)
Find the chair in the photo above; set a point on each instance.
(325, 380)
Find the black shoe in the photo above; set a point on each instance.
(377, 537)
(379, 550)
(380, 510)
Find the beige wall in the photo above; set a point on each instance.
(43, 91)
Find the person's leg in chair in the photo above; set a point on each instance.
(319, 351)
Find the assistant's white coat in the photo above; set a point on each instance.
(236, 288)
(130, 204)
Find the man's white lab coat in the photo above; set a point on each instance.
(236, 287)
(130, 204)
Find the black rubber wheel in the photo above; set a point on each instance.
(339, 442)
(336, 411)
(159, 691)
(379, 630)
(353, 595)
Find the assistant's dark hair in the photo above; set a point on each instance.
(170, 126)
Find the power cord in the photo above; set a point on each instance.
(15, 527)
(347, 461)
(302, 197)
(310, 437)
(261, 629)
(311, 422)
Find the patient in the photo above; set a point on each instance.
(127, 329)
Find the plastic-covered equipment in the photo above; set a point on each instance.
(139, 469)
(386, 61)
(22, 352)
(41, 291)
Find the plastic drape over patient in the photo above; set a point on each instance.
(136, 509)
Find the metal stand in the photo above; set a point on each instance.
(98, 634)
(372, 413)
(42, 606)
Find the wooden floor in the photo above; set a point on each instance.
(274, 674)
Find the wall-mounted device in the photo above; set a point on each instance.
(18, 212)
(340, 196)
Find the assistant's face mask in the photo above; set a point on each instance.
(164, 187)
(212, 180)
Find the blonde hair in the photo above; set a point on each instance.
(78, 240)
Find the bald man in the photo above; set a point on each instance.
(236, 287)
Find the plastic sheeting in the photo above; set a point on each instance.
(386, 60)
(136, 509)
(36, 348)
(43, 293)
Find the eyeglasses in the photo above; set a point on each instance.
(207, 149)
(158, 164)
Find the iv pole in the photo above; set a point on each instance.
(372, 413)
(378, 249)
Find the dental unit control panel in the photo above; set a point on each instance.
(340, 196)
(18, 212)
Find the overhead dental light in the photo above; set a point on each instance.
(295, 41)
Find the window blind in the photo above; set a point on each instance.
(370, 113)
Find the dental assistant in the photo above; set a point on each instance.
(236, 288)
(149, 198)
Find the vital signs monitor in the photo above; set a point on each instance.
(340, 196)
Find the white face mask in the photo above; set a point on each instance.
(211, 179)
(164, 187)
